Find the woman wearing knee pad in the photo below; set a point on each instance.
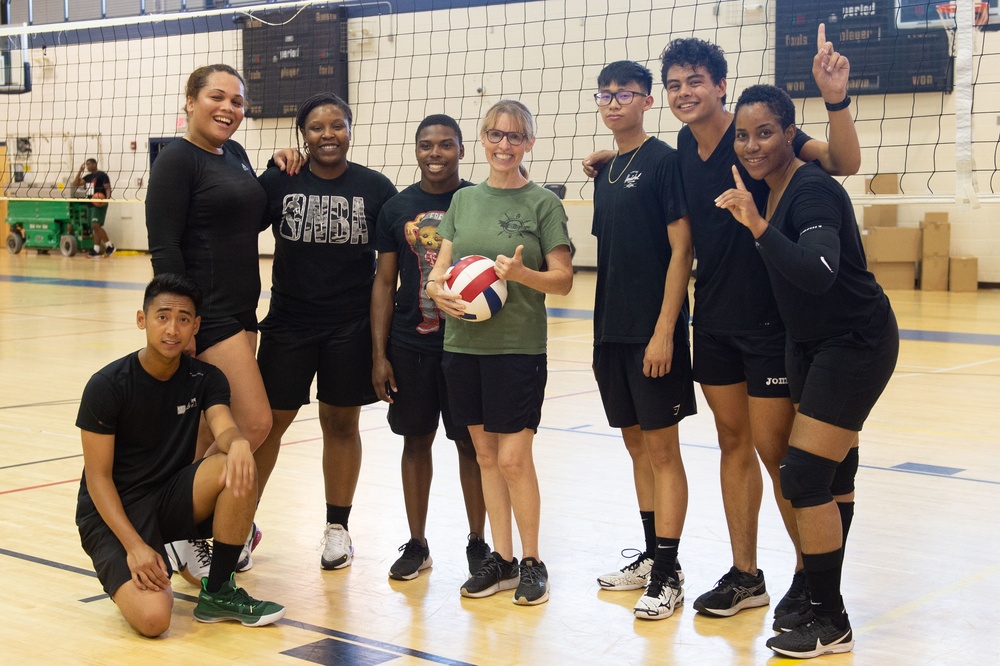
(841, 349)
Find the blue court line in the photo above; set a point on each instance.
(564, 313)
(903, 468)
(370, 642)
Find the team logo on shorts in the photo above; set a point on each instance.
(776, 381)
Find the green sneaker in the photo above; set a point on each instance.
(233, 603)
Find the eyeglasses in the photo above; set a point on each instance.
(513, 138)
(622, 96)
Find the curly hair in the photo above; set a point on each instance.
(694, 52)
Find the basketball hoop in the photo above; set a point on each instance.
(946, 12)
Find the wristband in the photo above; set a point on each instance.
(839, 105)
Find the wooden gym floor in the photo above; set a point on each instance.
(921, 579)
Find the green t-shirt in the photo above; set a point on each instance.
(489, 221)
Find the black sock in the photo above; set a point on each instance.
(824, 571)
(665, 560)
(225, 557)
(337, 515)
(649, 531)
(846, 517)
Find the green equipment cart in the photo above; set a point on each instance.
(47, 225)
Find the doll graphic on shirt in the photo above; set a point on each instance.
(424, 241)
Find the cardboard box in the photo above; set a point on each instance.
(880, 215)
(882, 183)
(934, 274)
(892, 244)
(895, 275)
(937, 239)
(935, 217)
(963, 274)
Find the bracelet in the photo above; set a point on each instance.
(426, 285)
(839, 105)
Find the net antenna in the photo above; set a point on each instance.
(961, 46)
(15, 65)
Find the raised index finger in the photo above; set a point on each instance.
(739, 181)
(821, 38)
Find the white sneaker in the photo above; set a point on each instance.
(246, 562)
(632, 576)
(191, 559)
(338, 551)
(663, 594)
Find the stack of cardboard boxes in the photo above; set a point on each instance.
(893, 251)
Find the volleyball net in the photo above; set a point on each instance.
(112, 89)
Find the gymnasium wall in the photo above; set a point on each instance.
(95, 99)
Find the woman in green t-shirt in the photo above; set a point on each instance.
(496, 369)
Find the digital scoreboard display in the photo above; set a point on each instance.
(285, 64)
(894, 46)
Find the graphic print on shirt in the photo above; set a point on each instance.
(323, 219)
(424, 241)
(512, 226)
(632, 179)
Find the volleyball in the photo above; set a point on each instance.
(475, 279)
(98, 200)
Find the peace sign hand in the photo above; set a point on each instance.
(740, 203)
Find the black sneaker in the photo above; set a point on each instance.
(734, 592)
(477, 552)
(796, 600)
(495, 575)
(792, 621)
(415, 558)
(92, 253)
(109, 249)
(819, 636)
(533, 589)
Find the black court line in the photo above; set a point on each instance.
(324, 631)
(38, 462)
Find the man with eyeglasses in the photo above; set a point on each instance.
(641, 357)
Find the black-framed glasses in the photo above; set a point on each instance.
(622, 96)
(513, 138)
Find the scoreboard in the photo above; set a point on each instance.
(285, 64)
(894, 46)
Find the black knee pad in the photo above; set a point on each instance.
(806, 478)
(843, 480)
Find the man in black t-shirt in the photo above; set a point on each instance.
(642, 360)
(739, 338)
(139, 420)
(408, 339)
(98, 191)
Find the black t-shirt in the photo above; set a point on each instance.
(633, 251)
(155, 423)
(407, 226)
(324, 252)
(812, 249)
(96, 182)
(203, 215)
(732, 295)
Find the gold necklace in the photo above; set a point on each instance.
(612, 167)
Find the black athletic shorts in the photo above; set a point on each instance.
(422, 395)
(501, 392)
(630, 398)
(758, 360)
(340, 358)
(215, 330)
(838, 380)
(159, 518)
